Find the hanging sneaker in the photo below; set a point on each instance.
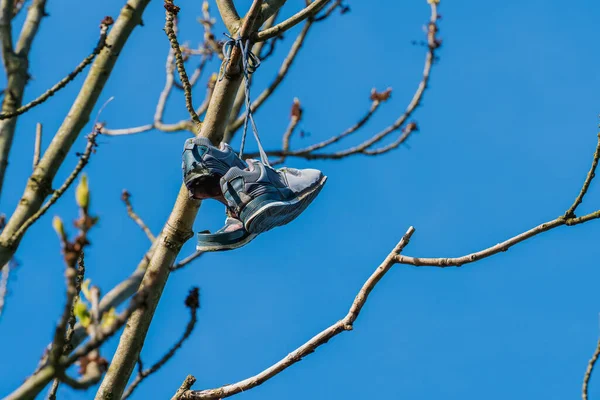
(264, 198)
(204, 164)
(231, 236)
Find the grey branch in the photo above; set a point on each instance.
(16, 65)
(588, 372)
(4, 275)
(294, 20)
(33, 385)
(569, 219)
(345, 324)
(83, 160)
(38, 185)
(171, 11)
(230, 16)
(401, 124)
(187, 384)
(6, 15)
(193, 303)
(37, 147)
(125, 196)
(65, 81)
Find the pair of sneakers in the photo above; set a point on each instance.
(258, 197)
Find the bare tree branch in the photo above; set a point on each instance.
(171, 13)
(185, 386)
(158, 123)
(334, 139)
(67, 347)
(366, 147)
(106, 22)
(332, 7)
(4, 275)
(39, 184)
(504, 246)
(500, 247)
(345, 324)
(16, 64)
(136, 218)
(33, 385)
(588, 372)
(37, 147)
(6, 15)
(193, 303)
(230, 16)
(294, 20)
(61, 329)
(187, 260)
(83, 160)
(586, 184)
(115, 297)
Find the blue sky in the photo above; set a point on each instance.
(507, 131)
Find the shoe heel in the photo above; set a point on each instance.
(258, 206)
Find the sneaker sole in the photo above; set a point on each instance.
(221, 244)
(272, 214)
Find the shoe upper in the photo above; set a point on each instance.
(201, 158)
(240, 186)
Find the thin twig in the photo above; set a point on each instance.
(53, 389)
(498, 248)
(505, 245)
(61, 329)
(588, 372)
(586, 184)
(71, 322)
(16, 63)
(136, 218)
(83, 383)
(332, 7)
(361, 122)
(104, 333)
(115, 297)
(186, 260)
(345, 324)
(171, 12)
(83, 160)
(193, 303)
(72, 75)
(4, 275)
(18, 6)
(185, 124)
(37, 147)
(187, 384)
(287, 135)
(278, 29)
(365, 147)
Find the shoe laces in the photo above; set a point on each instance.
(250, 62)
